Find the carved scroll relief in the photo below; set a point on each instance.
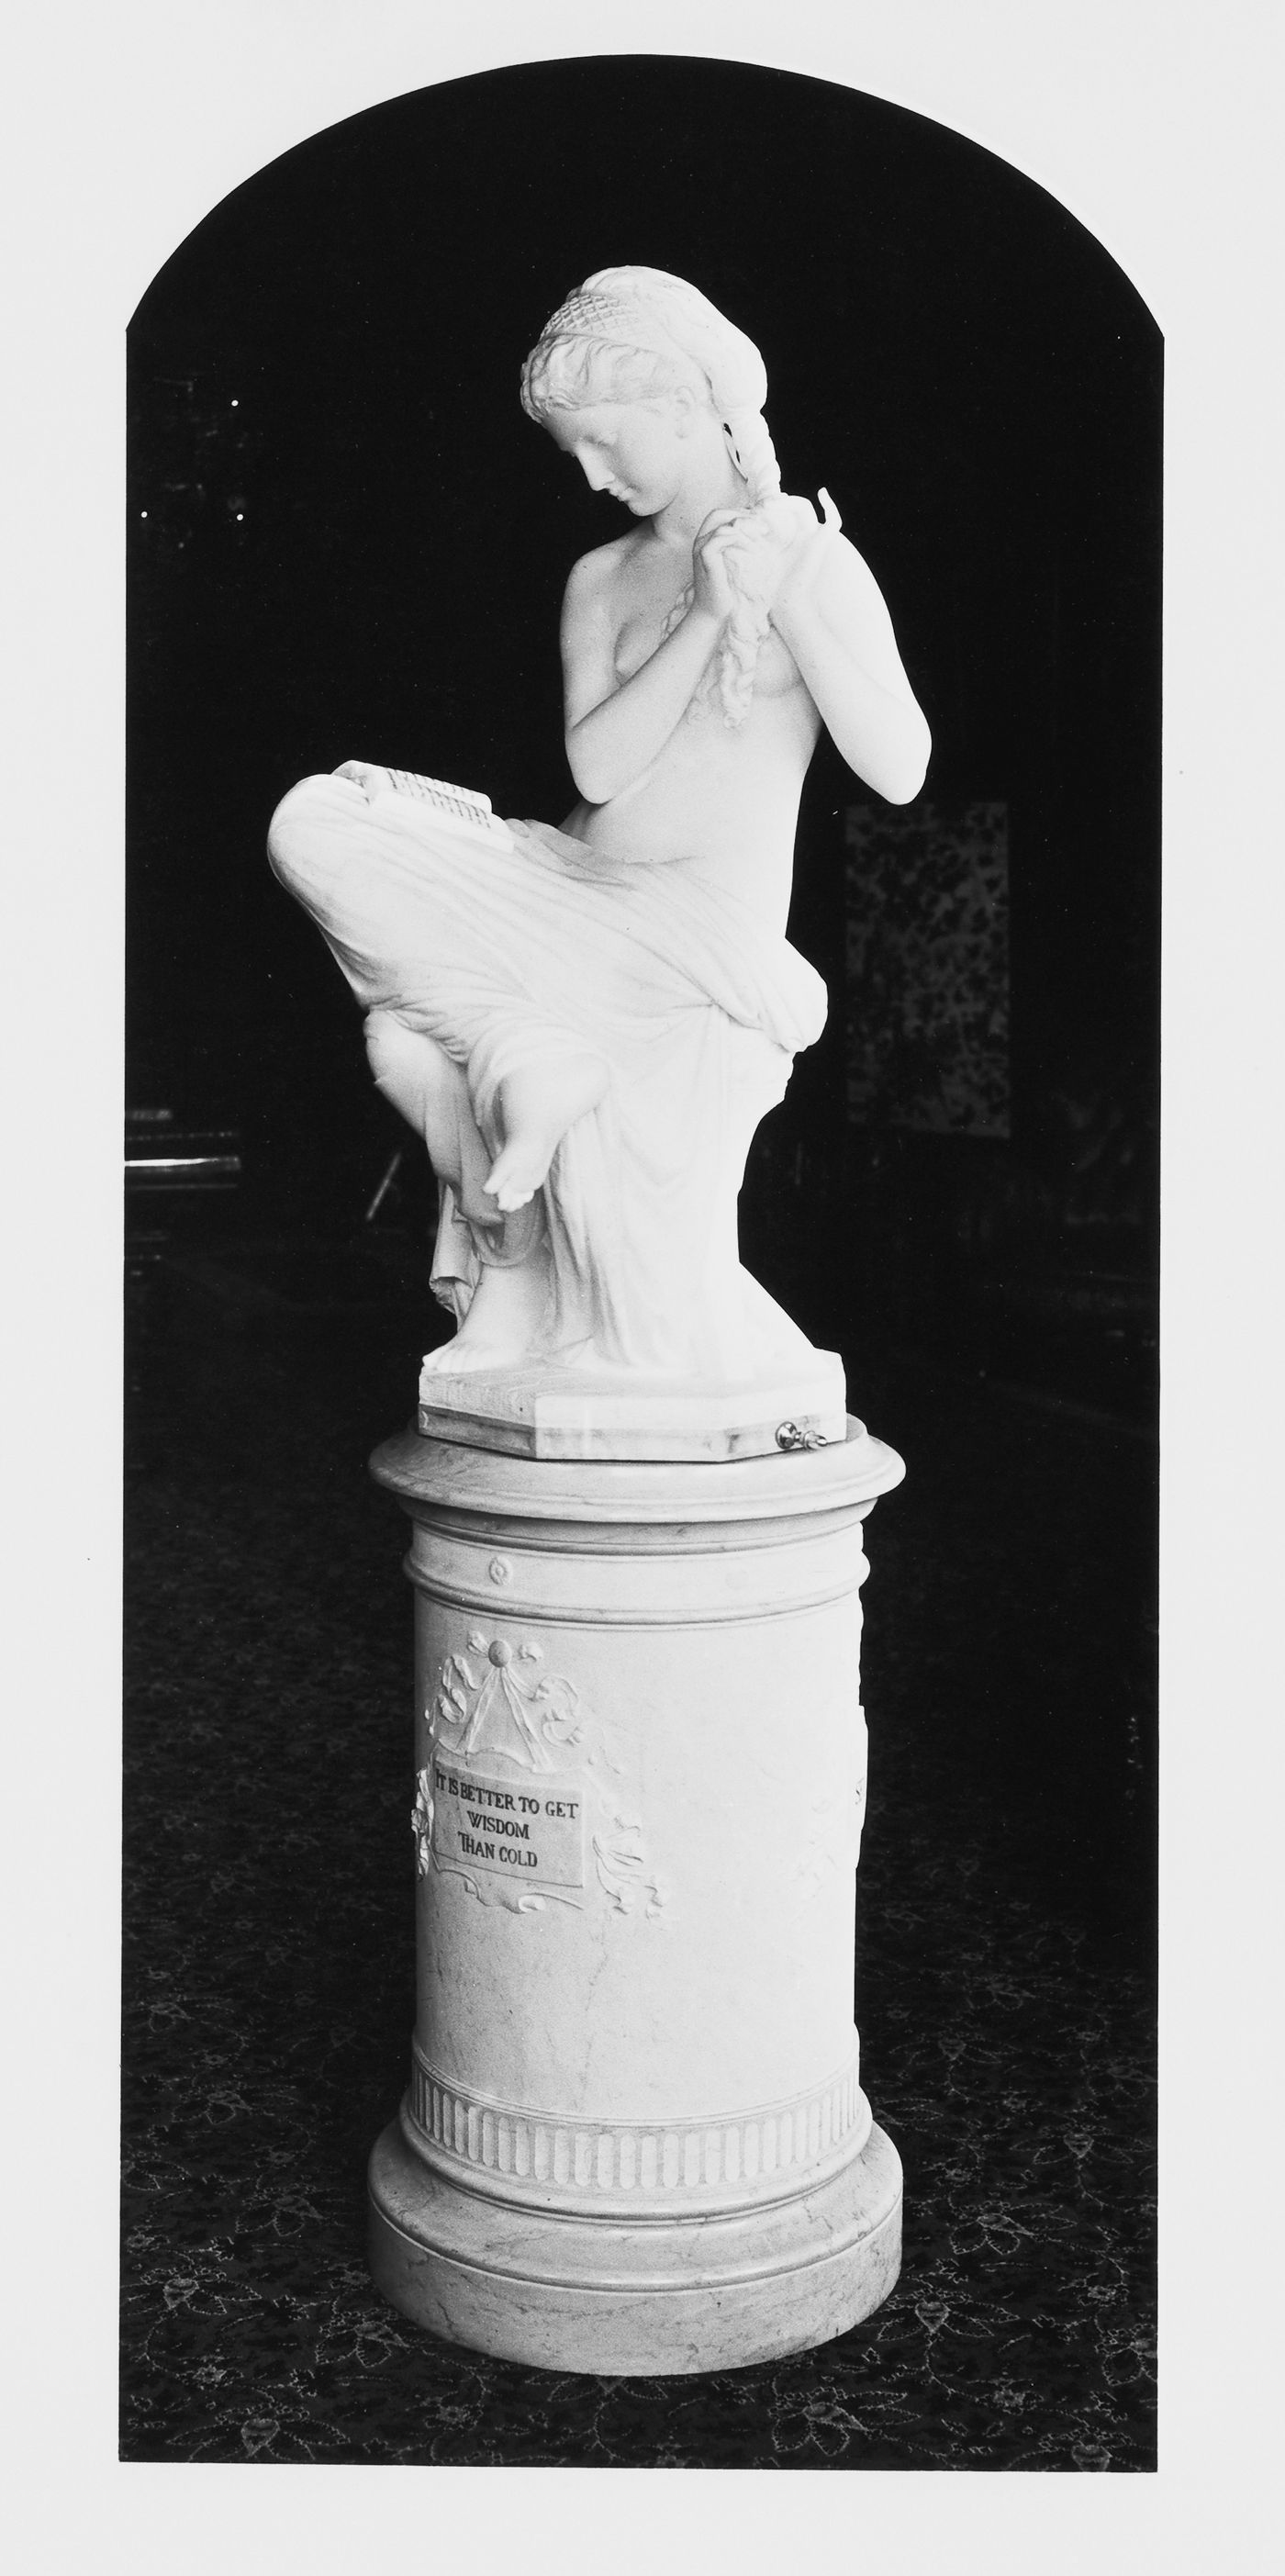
(506, 1800)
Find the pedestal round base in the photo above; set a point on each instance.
(634, 2298)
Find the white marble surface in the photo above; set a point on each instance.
(637, 2299)
(547, 1412)
(635, 2135)
(586, 1024)
(640, 1784)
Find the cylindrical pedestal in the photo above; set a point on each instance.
(635, 2140)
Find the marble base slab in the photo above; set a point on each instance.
(564, 1413)
(646, 2297)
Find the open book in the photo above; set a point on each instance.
(459, 809)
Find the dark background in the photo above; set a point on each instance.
(346, 539)
(355, 543)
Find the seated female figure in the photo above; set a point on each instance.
(587, 1029)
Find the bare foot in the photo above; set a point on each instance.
(521, 1168)
(502, 1322)
(471, 1354)
(536, 1108)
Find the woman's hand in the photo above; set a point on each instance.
(805, 543)
(759, 552)
(711, 583)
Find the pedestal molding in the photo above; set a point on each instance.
(526, 1534)
(458, 1596)
(733, 2160)
(600, 1492)
(642, 2295)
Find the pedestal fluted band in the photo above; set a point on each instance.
(740, 2160)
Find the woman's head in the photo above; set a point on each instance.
(633, 335)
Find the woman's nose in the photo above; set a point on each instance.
(596, 471)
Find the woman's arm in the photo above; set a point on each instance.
(829, 610)
(616, 728)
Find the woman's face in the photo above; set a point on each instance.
(636, 451)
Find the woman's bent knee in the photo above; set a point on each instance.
(295, 834)
(394, 1051)
(410, 1068)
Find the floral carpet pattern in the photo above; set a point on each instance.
(927, 967)
(1005, 1983)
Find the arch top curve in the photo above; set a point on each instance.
(950, 353)
(541, 83)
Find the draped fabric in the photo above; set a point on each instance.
(512, 959)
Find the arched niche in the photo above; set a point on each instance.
(346, 538)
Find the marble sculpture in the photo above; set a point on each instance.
(586, 1024)
(634, 2137)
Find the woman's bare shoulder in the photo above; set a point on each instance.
(597, 573)
(847, 568)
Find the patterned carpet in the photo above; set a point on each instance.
(1005, 1938)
